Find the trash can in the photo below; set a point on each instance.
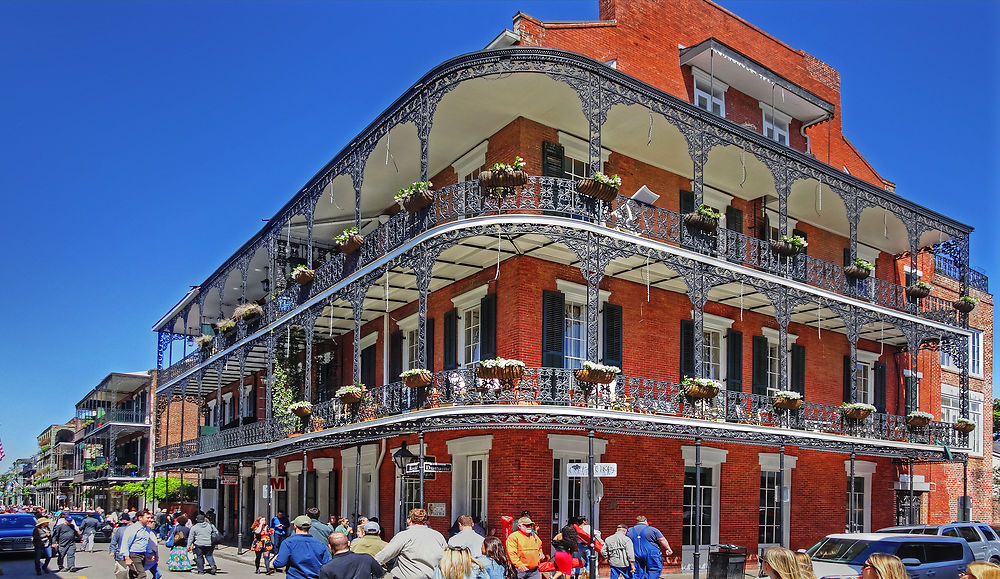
(727, 562)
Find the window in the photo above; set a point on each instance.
(708, 533)
(775, 124)
(975, 356)
(569, 494)
(711, 355)
(950, 412)
(769, 524)
(368, 495)
(470, 477)
(575, 335)
(407, 488)
(469, 325)
(858, 489)
(775, 381)
(412, 347)
(576, 155)
(866, 376)
(709, 93)
(859, 519)
(247, 401)
(468, 166)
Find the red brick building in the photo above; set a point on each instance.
(690, 106)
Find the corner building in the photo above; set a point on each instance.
(690, 105)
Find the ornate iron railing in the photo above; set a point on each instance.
(548, 387)
(116, 415)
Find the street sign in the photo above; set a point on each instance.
(265, 491)
(228, 480)
(429, 467)
(60, 497)
(605, 469)
(229, 470)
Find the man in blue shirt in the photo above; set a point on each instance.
(135, 543)
(121, 572)
(650, 547)
(279, 523)
(301, 554)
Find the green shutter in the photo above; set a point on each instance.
(395, 357)
(734, 360)
(450, 339)
(798, 378)
(880, 377)
(553, 155)
(488, 327)
(553, 328)
(613, 335)
(759, 377)
(687, 350)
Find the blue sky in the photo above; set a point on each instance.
(143, 142)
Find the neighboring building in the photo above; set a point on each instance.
(733, 119)
(113, 441)
(54, 469)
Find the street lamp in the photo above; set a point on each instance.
(401, 457)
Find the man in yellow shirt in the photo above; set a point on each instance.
(525, 549)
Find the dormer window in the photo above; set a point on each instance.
(775, 124)
(709, 93)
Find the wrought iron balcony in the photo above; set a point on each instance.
(116, 416)
(543, 388)
(116, 471)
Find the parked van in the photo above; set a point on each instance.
(981, 538)
(925, 556)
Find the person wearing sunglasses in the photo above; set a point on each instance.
(525, 549)
(882, 566)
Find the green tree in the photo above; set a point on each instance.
(282, 398)
(161, 488)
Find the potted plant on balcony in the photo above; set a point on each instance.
(203, 341)
(594, 373)
(965, 304)
(417, 378)
(225, 325)
(703, 219)
(349, 241)
(789, 245)
(859, 269)
(501, 178)
(964, 425)
(248, 312)
(416, 196)
(700, 388)
(302, 274)
(600, 186)
(301, 409)
(787, 400)
(856, 410)
(500, 369)
(918, 419)
(351, 393)
(919, 290)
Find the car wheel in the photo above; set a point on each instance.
(995, 560)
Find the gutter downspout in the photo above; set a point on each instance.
(818, 120)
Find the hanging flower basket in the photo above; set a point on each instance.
(600, 186)
(699, 222)
(964, 426)
(700, 388)
(248, 312)
(857, 411)
(301, 409)
(500, 179)
(351, 244)
(302, 275)
(500, 369)
(964, 304)
(785, 248)
(787, 400)
(595, 376)
(351, 397)
(203, 342)
(919, 419)
(351, 393)
(918, 290)
(417, 379)
(856, 272)
(418, 200)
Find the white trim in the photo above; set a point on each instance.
(869, 254)
(908, 269)
(770, 462)
(463, 451)
(710, 458)
(579, 149)
(368, 340)
(348, 462)
(866, 357)
(470, 161)
(715, 199)
(227, 396)
(567, 447)
(293, 467)
(714, 322)
(864, 469)
(577, 293)
(470, 298)
(574, 444)
(470, 445)
(772, 336)
(409, 323)
(211, 403)
(780, 115)
(703, 76)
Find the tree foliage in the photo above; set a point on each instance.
(282, 398)
(159, 489)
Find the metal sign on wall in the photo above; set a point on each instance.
(605, 469)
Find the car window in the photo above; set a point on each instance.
(950, 532)
(987, 532)
(837, 550)
(931, 531)
(969, 534)
(17, 522)
(942, 552)
(912, 551)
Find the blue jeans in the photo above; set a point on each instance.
(623, 572)
(648, 567)
(203, 553)
(42, 553)
(582, 553)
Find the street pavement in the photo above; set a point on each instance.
(99, 565)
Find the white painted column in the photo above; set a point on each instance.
(323, 468)
(293, 469)
(259, 480)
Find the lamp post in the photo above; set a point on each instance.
(401, 457)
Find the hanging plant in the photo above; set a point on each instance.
(964, 425)
(417, 378)
(302, 274)
(416, 196)
(918, 419)
(859, 269)
(501, 178)
(965, 304)
(595, 373)
(704, 219)
(856, 410)
(226, 324)
(302, 409)
(919, 290)
(203, 342)
(349, 241)
(600, 186)
(351, 393)
(500, 369)
(787, 400)
(247, 312)
(789, 245)
(698, 388)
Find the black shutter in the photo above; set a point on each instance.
(847, 379)
(612, 335)
(552, 160)
(687, 202)
(368, 366)
(687, 350)
(847, 257)
(734, 360)
(734, 219)
(880, 386)
(912, 383)
(430, 344)
(799, 369)
(765, 227)
(488, 327)
(395, 357)
(450, 340)
(553, 323)
(759, 378)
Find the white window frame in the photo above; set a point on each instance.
(720, 325)
(409, 327)
(567, 447)
(975, 356)
(463, 452)
(920, 376)
(247, 391)
(773, 341)
(864, 469)
(415, 449)
(369, 480)
(714, 85)
(228, 410)
(866, 365)
(576, 294)
(468, 165)
(770, 462)
(579, 150)
(465, 303)
(780, 118)
(712, 458)
(952, 413)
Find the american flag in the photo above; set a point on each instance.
(1, 450)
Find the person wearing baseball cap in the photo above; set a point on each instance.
(371, 542)
(524, 549)
(301, 554)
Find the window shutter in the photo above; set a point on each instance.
(734, 360)
(368, 365)
(734, 219)
(847, 256)
(552, 160)
(880, 386)
(765, 227)
(430, 344)
(759, 365)
(798, 380)
(847, 379)
(488, 327)
(612, 335)
(395, 357)
(553, 328)
(450, 339)
(687, 202)
(687, 350)
(912, 383)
